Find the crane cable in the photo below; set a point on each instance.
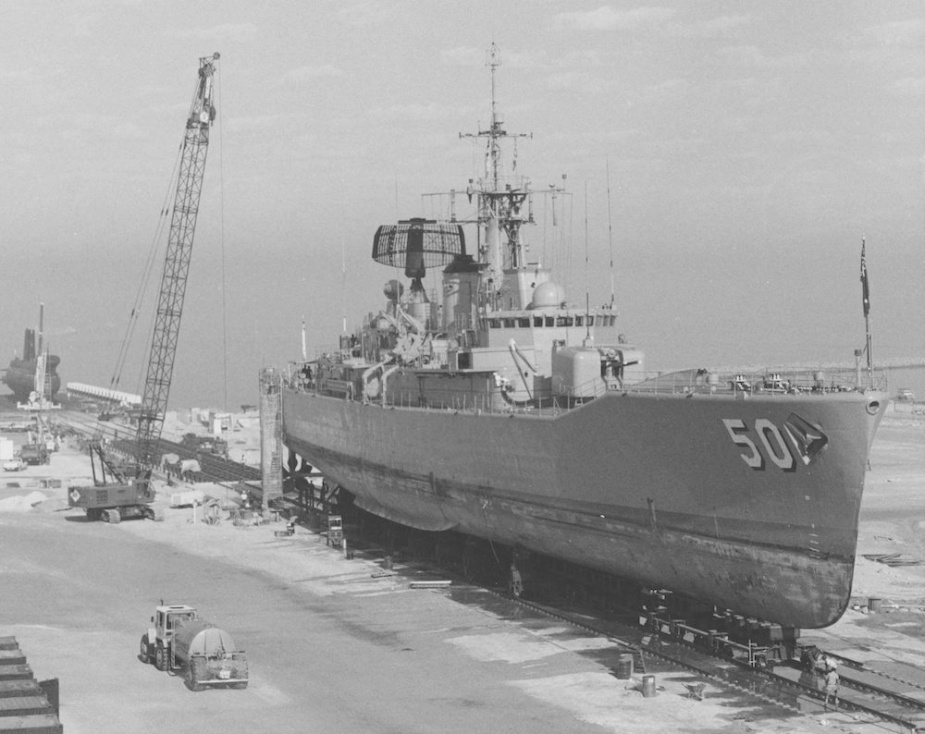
(148, 271)
(221, 186)
(152, 259)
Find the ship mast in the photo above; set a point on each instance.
(500, 199)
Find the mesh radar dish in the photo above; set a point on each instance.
(418, 244)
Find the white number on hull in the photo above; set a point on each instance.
(779, 453)
(785, 447)
(737, 430)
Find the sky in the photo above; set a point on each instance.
(726, 157)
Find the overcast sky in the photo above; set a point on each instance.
(751, 145)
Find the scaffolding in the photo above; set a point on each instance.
(271, 436)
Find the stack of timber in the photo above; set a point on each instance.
(27, 706)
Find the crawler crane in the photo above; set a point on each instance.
(116, 494)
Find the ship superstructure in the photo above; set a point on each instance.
(506, 413)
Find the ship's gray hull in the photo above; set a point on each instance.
(751, 504)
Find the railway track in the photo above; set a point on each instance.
(861, 691)
(213, 468)
(868, 696)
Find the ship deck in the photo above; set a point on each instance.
(683, 383)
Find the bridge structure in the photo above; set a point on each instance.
(103, 393)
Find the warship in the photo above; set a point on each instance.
(507, 413)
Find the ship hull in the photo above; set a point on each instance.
(750, 504)
(20, 378)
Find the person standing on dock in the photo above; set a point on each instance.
(517, 584)
(831, 686)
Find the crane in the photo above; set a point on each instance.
(112, 497)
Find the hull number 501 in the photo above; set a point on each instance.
(797, 441)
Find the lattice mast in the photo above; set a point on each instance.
(500, 197)
(504, 203)
(176, 267)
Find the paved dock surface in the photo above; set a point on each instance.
(336, 645)
(331, 646)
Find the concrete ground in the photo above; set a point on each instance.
(335, 645)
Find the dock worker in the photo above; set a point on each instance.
(517, 584)
(831, 686)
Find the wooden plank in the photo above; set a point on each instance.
(25, 706)
(12, 657)
(38, 724)
(21, 687)
(15, 672)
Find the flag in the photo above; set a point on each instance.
(865, 287)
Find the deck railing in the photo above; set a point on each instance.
(683, 383)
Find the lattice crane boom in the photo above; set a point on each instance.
(176, 268)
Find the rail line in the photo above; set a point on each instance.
(860, 690)
(213, 468)
(715, 657)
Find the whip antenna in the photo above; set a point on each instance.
(610, 233)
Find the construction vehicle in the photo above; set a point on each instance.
(112, 498)
(39, 444)
(114, 494)
(205, 444)
(181, 641)
(35, 453)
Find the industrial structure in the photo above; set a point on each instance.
(118, 397)
(271, 436)
(113, 495)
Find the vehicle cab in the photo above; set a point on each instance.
(166, 619)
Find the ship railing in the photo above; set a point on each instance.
(764, 381)
(688, 382)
